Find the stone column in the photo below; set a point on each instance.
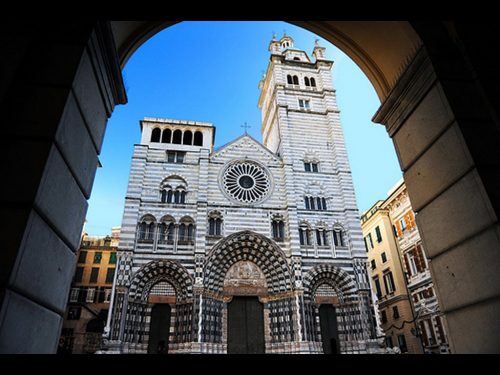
(59, 84)
(435, 115)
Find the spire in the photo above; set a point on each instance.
(318, 51)
(274, 45)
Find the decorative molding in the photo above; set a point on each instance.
(409, 90)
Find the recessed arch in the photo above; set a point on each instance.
(251, 246)
(338, 279)
(177, 137)
(198, 138)
(155, 271)
(187, 138)
(166, 136)
(155, 135)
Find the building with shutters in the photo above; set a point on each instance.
(388, 281)
(252, 247)
(430, 321)
(90, 294)
(401, 279)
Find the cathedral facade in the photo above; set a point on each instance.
(252, 247)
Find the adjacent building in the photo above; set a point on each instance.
(388, 281)
(252, 247)
(401, 279)
(430, 321)
(90, 294)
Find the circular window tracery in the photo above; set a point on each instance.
(246, 181)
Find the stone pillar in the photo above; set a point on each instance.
(435, 115)
(59, 84)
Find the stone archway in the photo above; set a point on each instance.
(339, 291)
(248, 246)
(141, 309)
(439, 105)
(248, 264)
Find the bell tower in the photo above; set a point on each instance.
(301, 123)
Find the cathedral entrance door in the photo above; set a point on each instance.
(245, 326)
(159, 329)
(329, 330)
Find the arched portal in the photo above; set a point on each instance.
(244, 282)
(331, 299)
(159, 309)
(247, 280)
(250, 246)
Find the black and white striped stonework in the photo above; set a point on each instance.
(246, 202)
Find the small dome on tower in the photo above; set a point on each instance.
(286, 42)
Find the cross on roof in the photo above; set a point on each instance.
(246, 127)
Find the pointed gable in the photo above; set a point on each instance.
(242, 147)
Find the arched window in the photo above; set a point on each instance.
(198, 138)
(218, 227)
(170, 232)
(323, 200)
(305, 235)
(166, 136)
(170, 195)
(214, 227)
(190, 232)
(306, 81)
(155, 135)
(289, 79)
(321, 237)
(162, 229)
(142, 231)
(211, 226)
(296, 58)
(151, 232)
(177, 138)
(313, 82)
(215, 224)
(306, 201)
(186, 231)
(166, 224)
(319, 203)
(188, 138)
(311, 203)
(182, 232)
(278, 229)
(295, 80)
(274, 226)
(338, 237)
(146, 228)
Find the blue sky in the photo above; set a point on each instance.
(209, 71)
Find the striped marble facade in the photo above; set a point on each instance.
(170, 242)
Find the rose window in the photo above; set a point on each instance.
(246, 182)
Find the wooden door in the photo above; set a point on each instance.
(245, 326)
(159, 329)
(329, 330)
